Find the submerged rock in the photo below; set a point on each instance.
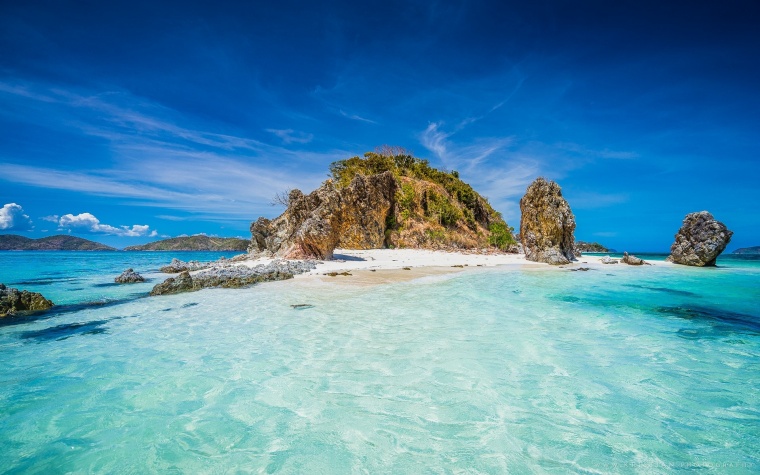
(129, 276)
(232, 276)
(632, 260)
(14, 300)
(700, 240)
(547, 224)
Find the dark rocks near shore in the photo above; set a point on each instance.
(232, 276)
(13, 301)
(129, 276)
(547, 224)
(700, 240)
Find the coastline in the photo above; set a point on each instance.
(379, 266)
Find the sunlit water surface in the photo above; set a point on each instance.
(618, 370)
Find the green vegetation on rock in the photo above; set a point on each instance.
(61, 242)
(583, 246)
(199, 242)
(433, 208)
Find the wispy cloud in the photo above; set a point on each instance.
(89, 224)
(156, 162)
(356, 117)
(291, 136)
(12, 218)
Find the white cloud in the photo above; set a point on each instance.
(12, 218)
(87, 223)
(291, 136)
(53, 218)
(356, 117)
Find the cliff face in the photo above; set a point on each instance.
(547, 224)
(700, 240)
(381, 201)
(314, 225)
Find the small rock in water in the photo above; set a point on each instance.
(407, 268)
(14, 300)
(129, 276)
(302, 306)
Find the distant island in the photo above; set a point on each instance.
(198, 242)
(748, 250)
(591, 247)
(61, 242)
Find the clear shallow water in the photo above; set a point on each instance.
(626, 370)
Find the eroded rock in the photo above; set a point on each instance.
(632, 260)
(176, 266)
(129, 276)
(700, 240)
(314, 225)
(547, 224)
(13, 301)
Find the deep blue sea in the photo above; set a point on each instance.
(624, 369)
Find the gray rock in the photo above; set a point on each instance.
(547, 224)
(129, 276)
(608, 260)
(13, 301)
(232, 276)
(632, 260)
(700, 240)
(178, 266)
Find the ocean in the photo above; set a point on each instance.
(493, 370)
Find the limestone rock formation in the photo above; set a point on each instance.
(632, 260)
(14, 300)
(129, 276)
(547, 224)
(227, 275)
(176, 266)
(700, 240)
(608, 260)
(315, 224)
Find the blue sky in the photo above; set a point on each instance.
(125, 121)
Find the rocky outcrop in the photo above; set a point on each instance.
(608, 260)
(176, 266)
(547, 224)
(13, 301)
(129, 276)
(315, 224)
(232, 276)
(632, 260)
(700, 240)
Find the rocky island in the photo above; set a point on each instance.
(61, 242)
(384, 199)
(198, 242)
(754, 250)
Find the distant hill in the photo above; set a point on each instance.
(591, 247)
(748, 250)
(61, 242)
(194, 243)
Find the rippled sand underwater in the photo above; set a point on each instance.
(626, 370)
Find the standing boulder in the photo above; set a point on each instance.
(547, 224)
(632, 260)
(700, 240)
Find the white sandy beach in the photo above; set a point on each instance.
(374, 266)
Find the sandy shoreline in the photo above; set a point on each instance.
(377, 266)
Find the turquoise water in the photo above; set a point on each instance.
(619, 370)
